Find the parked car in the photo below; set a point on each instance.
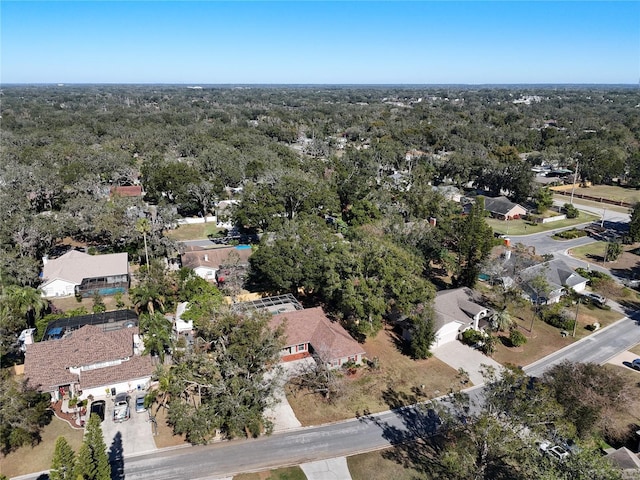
(636, 364)
(555, 451)
(98, 407)
(595, 298)
(140, 408)
(121, 411)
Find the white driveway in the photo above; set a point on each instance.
(330, 469)
(281, 413)
(133, 436)
(457, 355)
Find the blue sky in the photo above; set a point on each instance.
(208, 42)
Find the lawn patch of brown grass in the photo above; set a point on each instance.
(165, 436)
(287, 473)
(398, 379)
(377, 466)
(40, 456)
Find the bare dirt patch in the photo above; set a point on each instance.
(399, 379)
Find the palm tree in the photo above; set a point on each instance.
(26, 301)
(501, 320)
(143, 225)
(146, 296)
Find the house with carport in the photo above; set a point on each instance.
(78, 273)
(88, 361)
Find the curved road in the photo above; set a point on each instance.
(344, 438)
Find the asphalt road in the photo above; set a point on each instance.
(345, 438)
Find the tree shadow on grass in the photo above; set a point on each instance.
(116, 458)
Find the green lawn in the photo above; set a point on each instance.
(524, 227)
(192, 232)
(610, 192)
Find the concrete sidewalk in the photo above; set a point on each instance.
(457, 355)
(330, 469)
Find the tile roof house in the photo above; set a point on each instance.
(503, 208)
(81, 274)
(207, 262)
(309, 332)
(625, 460)
(455, 311)
(558, 275)
(88, 360)
(126, 191)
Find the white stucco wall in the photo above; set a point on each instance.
(58, 288)
(205, 272)
(130, 386)
(447, 333)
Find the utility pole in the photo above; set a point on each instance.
(575, 178)
(575, 323)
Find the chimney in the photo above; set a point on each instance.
(28, 338)
(206, 257)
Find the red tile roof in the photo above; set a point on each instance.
(127, 191)
(312, 326)
(47, 364)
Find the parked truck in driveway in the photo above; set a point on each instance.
(121, 410)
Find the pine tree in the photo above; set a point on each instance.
(63, 464)
(93, 463)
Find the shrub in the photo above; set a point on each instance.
(571, 234)
(517, 338)
(555, 317)
(471, 336)
(571, 211)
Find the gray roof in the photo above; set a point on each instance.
(557, 273)
(455, 305)
(499, 205)
(625, 459)
(73, 266)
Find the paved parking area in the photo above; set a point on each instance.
(330, 469)
(127, 438)
(458, 355)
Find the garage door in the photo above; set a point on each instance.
(447, 333)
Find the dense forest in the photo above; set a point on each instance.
(302, 163)
(346, 188)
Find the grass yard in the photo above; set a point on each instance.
(524, 227)
(398, 380)
(636, 349)
(626, 266)
(192, 232)
(70, 303)
(38, 458)
(165, 437)
(288, 473)
(630, 420)
(545, 339)
(609, 192)
(378, 466)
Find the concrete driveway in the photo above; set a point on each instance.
(281, 413)
(457, 355)
(131, 437)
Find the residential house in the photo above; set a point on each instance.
(457, 310)
(309, 331)
(503, 209)
(82, 274)
(559, 277)
(88, 361)
(181, 326)
(627, 461)
(126, 191)
(209, 263)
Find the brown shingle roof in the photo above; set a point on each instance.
(46, 364)
(214, 257)
(312, 326)
(134, 369)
